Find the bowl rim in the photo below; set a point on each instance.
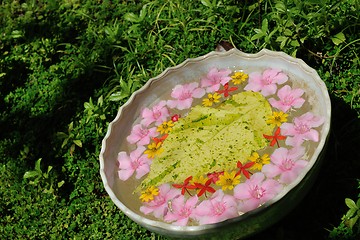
(154, 224)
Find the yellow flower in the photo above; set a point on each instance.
(211, 99)
(153, 149)
(259, 161)
(239, 77)
(165, 127)
(228, 180)
(277, 118)
(149, 194)
(201, 179)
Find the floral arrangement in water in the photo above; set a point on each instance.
(219, 147)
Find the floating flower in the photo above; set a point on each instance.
(165, 127)
(215, 78)
(216, 209)
(184, 95)
(200, 179)
(214, 176)
(275, 138)
(258, 161)
(288, 98)
(141, 135)
(239, 77)
(256, 191)
(203, 188)
(157, 114)
(302, 129)
(285, 163)
(242, 168)
(160, 140)
(226, 90)
(175, 118)
(277, 118)
(228, 180)
(211, 99)
(154, 149)
(266, 82)
(186, 186)
(149, 194)
(181, 211)
(136, 162)
(159, 205)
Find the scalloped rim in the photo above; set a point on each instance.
(173, 228)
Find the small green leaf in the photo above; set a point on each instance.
(60, 183)
(131, 17)
(280, 7)
(118, 96)
(350, 213)
(265, 25)
(37, 165)
(353, 220)
(206, 3)
(350, 203)
(257, 36)
(78, 142)
(31, 174)
(49, 169)
(338, 38)
(16, 34)
(143, 12)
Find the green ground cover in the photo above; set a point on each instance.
(66, 67)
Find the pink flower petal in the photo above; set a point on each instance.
(125, 174)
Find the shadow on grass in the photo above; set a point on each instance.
(324, 205)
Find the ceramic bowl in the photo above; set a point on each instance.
(159, 88)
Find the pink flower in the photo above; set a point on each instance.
(184, 95)
(159, 206)
(157, 114)
(218, 208)
(255, 191)
(266, 82)
(136, 162)
(285, 163)
(288, 98)
(301, 129)
(141, 135)
(215, 78)
(181, 211)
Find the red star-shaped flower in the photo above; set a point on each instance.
(275, 138)
(185, 186)
(226, 90)
(242, 169)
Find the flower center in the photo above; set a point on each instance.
(160, 200)
(257, 192)
(302, 128)
(185, 212)
(185, 95)
(278, 119)
(287, 165)
(229, 181)
(156, 114)
(144, 132)
(219, 208)
(288, 100)
(268, 81)
(259, 160)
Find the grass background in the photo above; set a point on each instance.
(66, 67)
